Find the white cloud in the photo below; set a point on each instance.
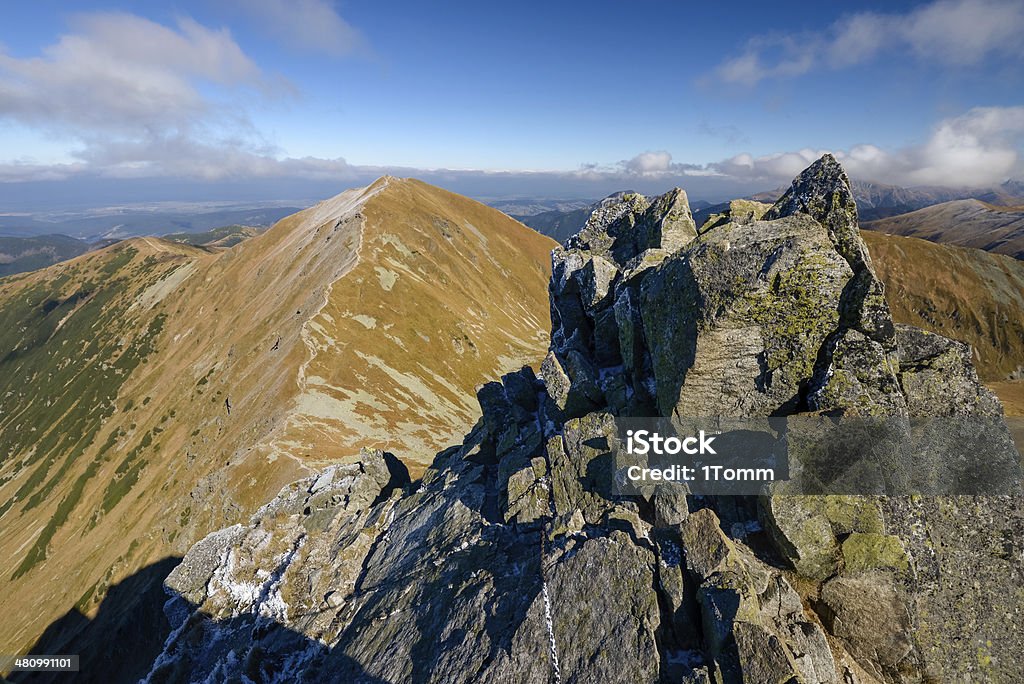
(20, 172)
(981, 147)
(965, 31)
(120, 73)
(136, 98)
(858, 38)
(769, 168)
(649, 163)
(957, 32)
(140, 98)
(791, 58)
(309, 25)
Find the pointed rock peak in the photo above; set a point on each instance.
(670, 223)
(820, 187)
(823, 191)
(828, 164)
(675, 200)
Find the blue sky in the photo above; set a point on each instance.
(546, 99)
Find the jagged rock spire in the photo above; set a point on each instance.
(625, 224)
(625, 234)
(823, 192)
(647, 315)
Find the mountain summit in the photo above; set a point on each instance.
(154, 392)
(515, 560)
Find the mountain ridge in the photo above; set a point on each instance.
(963, 293)
(250, 354)
(963, 223)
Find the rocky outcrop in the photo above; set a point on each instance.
(514, 559)
(756, 316)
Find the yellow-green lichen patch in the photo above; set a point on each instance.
(869, 551)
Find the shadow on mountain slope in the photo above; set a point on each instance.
(121, 641)
(128, 633)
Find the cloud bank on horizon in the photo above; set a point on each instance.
(120, 96)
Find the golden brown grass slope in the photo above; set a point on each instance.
(964, 223)
(152, 392)
(966, 294)
(1011, 393)
(446, 294)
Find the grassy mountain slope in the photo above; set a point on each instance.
(965, 223)
(73, 336)
(966, 294)
(445, 283)
(153, 391)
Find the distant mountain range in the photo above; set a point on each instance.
(556, 218)
(966, 223)
(557, 225)
(21, 254)
(533, 206)
(124, 222)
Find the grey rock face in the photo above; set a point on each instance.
(823, 192)
(512, 560)
(938, 376)
(869, 615)
(754, 303)
(625, 236)
(433, 585)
